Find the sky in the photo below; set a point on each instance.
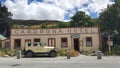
(61, 10)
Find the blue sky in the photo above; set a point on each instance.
(60, 10)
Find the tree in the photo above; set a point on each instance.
(4, 21)
(80, 19)
(109, 19)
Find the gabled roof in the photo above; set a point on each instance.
(2, 37)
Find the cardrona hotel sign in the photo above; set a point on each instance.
(91, 30)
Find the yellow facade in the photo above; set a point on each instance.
(80, 39)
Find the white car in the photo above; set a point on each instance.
(39, 48)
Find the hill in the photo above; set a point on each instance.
(34, 23)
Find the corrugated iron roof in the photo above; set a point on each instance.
(2, 37)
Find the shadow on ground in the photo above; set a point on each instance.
(38, 56)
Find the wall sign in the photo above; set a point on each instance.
(75, 35)
(54, 31)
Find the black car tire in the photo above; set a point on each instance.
(29, 54)
(53, 54)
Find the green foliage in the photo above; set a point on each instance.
(44, 26)
(80, 19)
(109, 19)
(52, 26)
(36, 23)
(115, 50)
(1, 53)
(63, 52)
(7, 51)
(89, 53)
(63, 24)
(117, 2)
(33, 22)
(43, 23)
(5, 20)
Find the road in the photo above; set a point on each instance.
(61, 62)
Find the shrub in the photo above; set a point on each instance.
(74, 53)
(7, 51)
(1, 53)
(115, 50)
(11, 53)
(62, 52)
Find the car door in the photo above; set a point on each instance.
(36, 47)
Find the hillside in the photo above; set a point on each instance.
(34, 23)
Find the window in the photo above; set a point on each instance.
(34, 44)
(89, 41)
(41, 44)
(51, 42)
(36, 40)
(64, 42)
(6, 44)
(17, 43)
(27, 40)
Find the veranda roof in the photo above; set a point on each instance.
(2, 37)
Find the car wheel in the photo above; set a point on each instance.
(53, 54)
(29, 54)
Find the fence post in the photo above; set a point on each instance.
(99, 55)
(68, 53)
(18, 54)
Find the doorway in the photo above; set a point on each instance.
(76, 44)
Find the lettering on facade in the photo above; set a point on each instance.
(41, 31)
(92, 30)
(54, 31)
(29, 31)
(80, 30)
(75, 30)
(22, 32)
(69, 30)
(86, 30)
(47, 31)
(60, 31)
(16, 31)
(34, 31)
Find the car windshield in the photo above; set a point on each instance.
(29, 44)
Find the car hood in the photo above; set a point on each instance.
(48, 47)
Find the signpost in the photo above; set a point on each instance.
(110, 43)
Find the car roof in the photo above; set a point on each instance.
(35, 42)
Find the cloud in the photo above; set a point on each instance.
(35, 10)
(96, 6)
(53, 9)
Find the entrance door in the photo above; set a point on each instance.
(76, 44)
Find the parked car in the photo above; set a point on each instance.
(39, 48)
